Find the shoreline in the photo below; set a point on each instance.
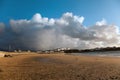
(96, 55)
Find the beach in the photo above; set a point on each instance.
(33, 66)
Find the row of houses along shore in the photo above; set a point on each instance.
(37, 51)
(66, 50)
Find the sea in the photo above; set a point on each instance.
(99, 53)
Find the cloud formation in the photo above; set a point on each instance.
(41, 33)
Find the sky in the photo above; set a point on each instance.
(51, 24)
(92, 10)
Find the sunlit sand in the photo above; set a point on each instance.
(31, 66)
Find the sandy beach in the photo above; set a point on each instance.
(59, 67)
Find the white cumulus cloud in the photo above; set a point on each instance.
(66, 31)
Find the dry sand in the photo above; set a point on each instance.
(59, 67)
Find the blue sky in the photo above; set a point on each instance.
(66, 31)
(92, 10)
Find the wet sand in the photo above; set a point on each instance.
(59, 67)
